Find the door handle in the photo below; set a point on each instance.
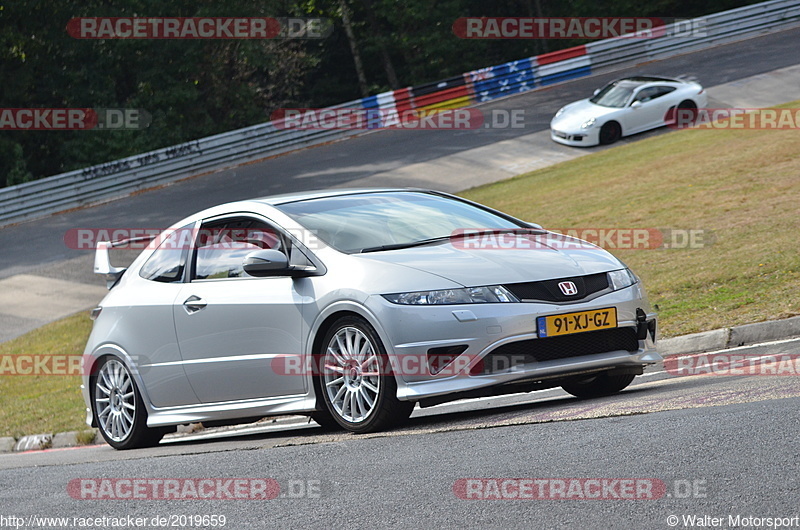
(193, 304)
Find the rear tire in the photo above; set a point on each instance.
(356, 382)
(602, 384)
(118, 408)
(610, 132)
(688, 106)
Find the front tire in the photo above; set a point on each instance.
(599, 385)
(610, 132)
(118, 408)
(356, 384)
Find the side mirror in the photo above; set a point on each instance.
(596, 91)
(636, 104)
(266, 263)
(537, 226)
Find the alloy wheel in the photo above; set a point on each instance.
(352, 374)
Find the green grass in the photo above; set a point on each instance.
(44, 403)
(742, 185)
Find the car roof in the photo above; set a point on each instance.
(285, 198)
(646, 79)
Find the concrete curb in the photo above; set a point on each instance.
(717, 339)
(37, 442)
(720, 339)
(7, 444)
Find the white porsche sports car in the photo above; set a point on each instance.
(624, 107)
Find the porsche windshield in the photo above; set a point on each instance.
(615, 94)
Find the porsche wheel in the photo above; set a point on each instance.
(610, 133)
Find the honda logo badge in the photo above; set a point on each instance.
(568, 288)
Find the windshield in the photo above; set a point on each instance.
(614, 94)
(352, 223)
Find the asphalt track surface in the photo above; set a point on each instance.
(718, 445)
(38, 246)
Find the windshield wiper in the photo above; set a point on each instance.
(395, 246)
(422, 242)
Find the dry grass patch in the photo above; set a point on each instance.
(44, 403)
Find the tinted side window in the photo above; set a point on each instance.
(651, 93)
(646, 94)
(169, 260)
(221, 247)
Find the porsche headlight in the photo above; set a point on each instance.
(588, 123)
(469, 295)
(560, 111)
(621, 279)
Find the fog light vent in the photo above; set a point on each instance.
(439, 358)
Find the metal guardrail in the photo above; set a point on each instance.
(721, 28)
(122, 177)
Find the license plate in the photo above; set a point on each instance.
(577, 322)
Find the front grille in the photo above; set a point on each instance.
(548, 291)
(552, 348)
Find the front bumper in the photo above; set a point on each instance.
(472, 332)
(580, 138)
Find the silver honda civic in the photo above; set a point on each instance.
(353, 306)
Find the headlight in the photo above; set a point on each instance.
(588, 123)
(470, 295)
(560, 111)
(621, 279)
